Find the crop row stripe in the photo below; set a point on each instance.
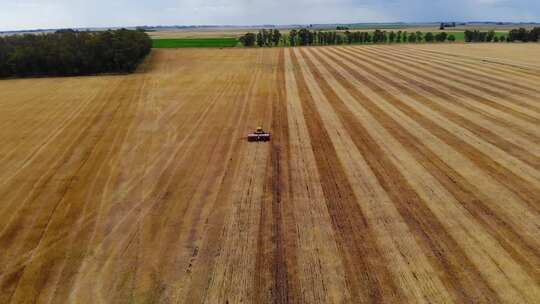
(506, 84)
(443, 204)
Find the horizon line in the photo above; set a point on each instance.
(263, 25)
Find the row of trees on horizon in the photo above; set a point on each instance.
(303, 37)
(524, 35)
(306, 37)
(69, 52)
(514, 35)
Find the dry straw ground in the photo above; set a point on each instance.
(395, 174)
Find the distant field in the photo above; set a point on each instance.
(237, 32)
(213, 33)
(228, 38)
(194, 43)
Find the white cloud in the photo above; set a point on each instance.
(28, 14)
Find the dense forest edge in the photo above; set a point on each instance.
(306, 37)
(73, 53)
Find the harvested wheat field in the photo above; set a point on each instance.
(521, 56)
(395, 174)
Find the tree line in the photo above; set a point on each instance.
(514, 35)
(262, 38)
(305, 37)
(69, 52)
(478, 36)
(524, 35)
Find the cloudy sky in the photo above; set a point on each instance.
(32, 14)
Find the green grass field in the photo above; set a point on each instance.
(460, 36)
(195, 43)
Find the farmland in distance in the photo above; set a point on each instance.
(395, 174)
(194, 43)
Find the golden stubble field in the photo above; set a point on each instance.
(395, 174)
